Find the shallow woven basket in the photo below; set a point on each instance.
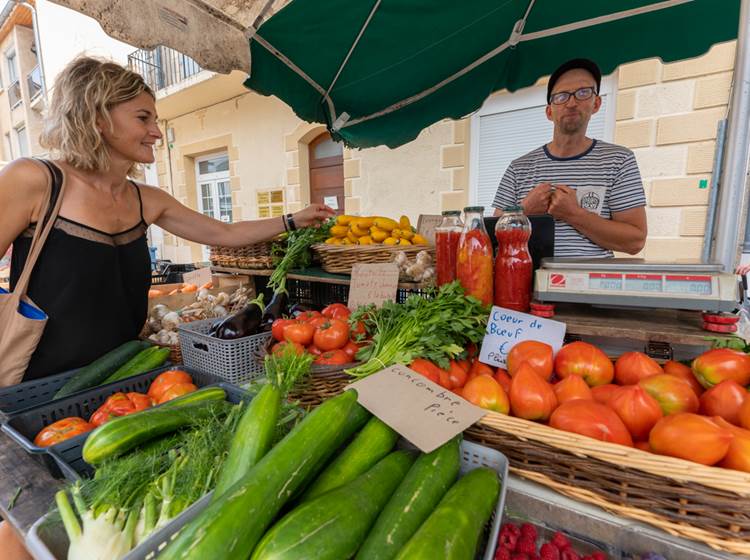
(257, 255)
(339, 259)
(263, 351)
(320, 387)
(707, 504)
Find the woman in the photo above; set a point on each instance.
(93, 275)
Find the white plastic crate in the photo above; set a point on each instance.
(233, 360)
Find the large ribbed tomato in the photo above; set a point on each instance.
(572, 387)
(631, 367)
(586, 360)
(537, 354)
(592, 419)
(725, 400)
(691, 437)
(485, 392)
(714, 366)
(638, 410)
(531, 396)
(738, 454)
(683, 372)
(672, 393)
(62, 430)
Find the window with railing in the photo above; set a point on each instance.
(34, 82)
(162, 67)
(14, 94)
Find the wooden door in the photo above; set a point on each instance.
(327, 172)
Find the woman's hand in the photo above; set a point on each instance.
(313, 215)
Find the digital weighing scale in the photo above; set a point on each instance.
(690, 285)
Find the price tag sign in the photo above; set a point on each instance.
(506, 328)
(198, 277)
(421, 411)
(373, 283)
(427, 224)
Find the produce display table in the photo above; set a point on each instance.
(18, 469)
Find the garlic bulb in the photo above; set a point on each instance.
(171, 320)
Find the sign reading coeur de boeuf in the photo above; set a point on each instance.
(506, 328)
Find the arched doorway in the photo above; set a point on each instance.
(327, 172)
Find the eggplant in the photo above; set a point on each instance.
(246, 322)
(275, 309)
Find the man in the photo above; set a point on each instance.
(593, 189)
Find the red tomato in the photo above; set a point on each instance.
(314, 350)
(358, 330)
(465, 365)
(531, 396)
(140, 401)
(744, 414)
(638, 410)
(165, 380)
(177, 390)
(725, 400)
(444, 378)
(537, 354)
(332, 335)
(457, 374)
(337, 311)
(278, 326)
(426, 368)
(738, 454)
(672, 393)
(351, 348)
(603, 393)
(683, 372)
(592, 419)
(306, 316)
(120, 404)
(485, 392)
(586, 360)
(714, 366)
(317, 321)
(691, 437)
(631, 367)
(62, 430)
(279, 348)
(478, 368)
(642, 445)
(301, 333)
(572, 387)
(332, 357)
(502, 377)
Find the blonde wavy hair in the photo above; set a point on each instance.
(86, 89)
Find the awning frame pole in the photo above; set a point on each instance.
(732, 197)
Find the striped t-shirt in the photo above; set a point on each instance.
(606, 180)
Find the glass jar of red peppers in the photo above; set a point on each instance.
(446, 245)
(513, 266)
(474, 256)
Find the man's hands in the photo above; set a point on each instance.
(563, 203)
(538, 199)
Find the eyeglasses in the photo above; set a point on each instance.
(581, 94)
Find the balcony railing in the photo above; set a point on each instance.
(14, 94)
(162, 67)
(34, 82)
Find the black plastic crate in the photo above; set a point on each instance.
(32, 393)
(65, 457)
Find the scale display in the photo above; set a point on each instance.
(643, 283)
(694, 285)
(605, 281)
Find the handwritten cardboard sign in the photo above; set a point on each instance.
(198, 277)
(373, 283)
(421, 411)
(506, 328)
(427, 224)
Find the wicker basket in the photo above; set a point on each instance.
(339, 259)
(707, 504)
(320, 387)
(255, 256)
(261, 353)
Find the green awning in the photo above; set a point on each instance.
(379, 71)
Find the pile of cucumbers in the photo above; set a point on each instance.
(303, 500)
(129, 359)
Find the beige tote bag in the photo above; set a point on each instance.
(21, 321)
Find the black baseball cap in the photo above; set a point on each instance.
(583, 63)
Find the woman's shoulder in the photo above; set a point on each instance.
(25, 178)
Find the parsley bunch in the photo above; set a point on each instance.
(296, 254)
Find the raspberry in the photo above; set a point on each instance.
(511, 528)
(534, 556)
(549, 551)
(560, 541)
(519, 556)
(529, 530)
(502, 554)
(599, 555)
(507, 540)
(526, 545)
(569, 554)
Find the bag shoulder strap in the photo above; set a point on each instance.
(44, 226)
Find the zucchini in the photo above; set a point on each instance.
(148, 359)
(252, 439)
(101, 368)
(231, 526)
(121, 434)
(412, 502)
(212, 393)
(333, 525)
(373, 443)
(452, 530)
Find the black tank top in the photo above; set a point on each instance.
(92, 285)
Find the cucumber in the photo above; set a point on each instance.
(121, 434)
(452, 530)
(333, 525)
(373, 443)
(412, 502)
(231, 526)
(148, 359)
(252, 439)
(101, 368)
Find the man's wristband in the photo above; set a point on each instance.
(290, 222)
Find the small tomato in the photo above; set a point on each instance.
(332, 357)
(278, 326)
